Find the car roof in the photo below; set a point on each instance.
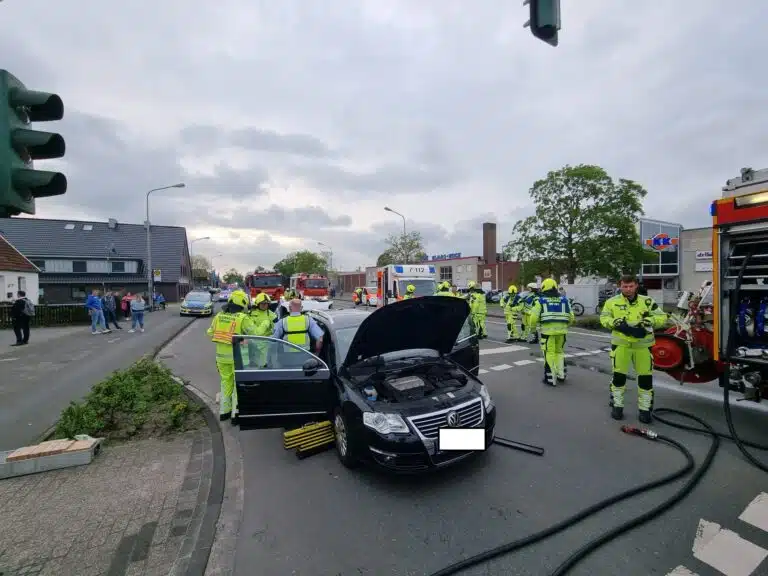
(338, 319)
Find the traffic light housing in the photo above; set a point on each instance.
(20, 183)
(544, 19)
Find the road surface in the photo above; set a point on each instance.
(59, 365)
(316, 518)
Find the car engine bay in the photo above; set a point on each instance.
(412, 383)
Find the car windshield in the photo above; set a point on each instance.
(266, 281)
(198, 297)
(424, 286)
(316, 283)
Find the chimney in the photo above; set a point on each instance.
(112, 224)
(489, 242)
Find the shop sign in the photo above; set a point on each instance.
(704, 266)
(704, 255)
(662, 241)
(449, 256)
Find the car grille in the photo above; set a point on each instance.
(470, 415)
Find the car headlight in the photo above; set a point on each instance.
(385, 423)
(486, 396)
(208, 305)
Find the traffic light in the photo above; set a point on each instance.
(20, 183)
(544, 19)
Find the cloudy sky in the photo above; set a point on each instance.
(296, 122)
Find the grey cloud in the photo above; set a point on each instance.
(303, 222)
(199, 137)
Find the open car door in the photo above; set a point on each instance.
(279, 385)
(466, 351)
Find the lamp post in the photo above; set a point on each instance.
(213, 268)
(405, 235)
(150, 275)
(330, 264)
(191, 259)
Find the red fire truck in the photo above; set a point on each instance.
(723, 334)
(310, 286)
(270, 283)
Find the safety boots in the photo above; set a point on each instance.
(617, 412)
(644, 416)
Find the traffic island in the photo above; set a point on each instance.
(146, 502)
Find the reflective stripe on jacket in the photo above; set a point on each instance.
(634, 313)
(296, 331)
(553, 313)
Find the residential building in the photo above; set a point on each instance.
(16, 273)
(76, 257)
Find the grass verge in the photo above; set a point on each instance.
(143, 401)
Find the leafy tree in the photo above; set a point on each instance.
(232, 276)
(402, 249)
(201, 267)
(301, 261)
(585, 224)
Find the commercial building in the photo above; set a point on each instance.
(661, 276)
(697, 263)
(76, 257)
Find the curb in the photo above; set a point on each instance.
(206, 535)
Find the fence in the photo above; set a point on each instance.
(50, 315)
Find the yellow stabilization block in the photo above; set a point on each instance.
(309, 436)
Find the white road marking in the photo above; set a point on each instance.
(597, 351)
(114, 340)
(608, 349)
(502, 350)
(726, 551)
(682, 571)
(592, 334)
(9, 359)
(495, 341)
(582, 353)
(540, 360)
(757, 512)
(524, 362)
(568, 356)
(482, 371)
(501, 367)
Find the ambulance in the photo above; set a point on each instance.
(392, 280)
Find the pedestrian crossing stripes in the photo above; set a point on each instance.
(726, 551)
(501, 367)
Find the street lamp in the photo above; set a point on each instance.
(150, 275)
(192, 264)
(213, 268)
(330, 264)
(405, 235)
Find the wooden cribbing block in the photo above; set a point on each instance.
(79, 445)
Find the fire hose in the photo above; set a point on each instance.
(690, 465)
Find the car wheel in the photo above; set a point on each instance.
(344, 448)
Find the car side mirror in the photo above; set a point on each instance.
(311, 367)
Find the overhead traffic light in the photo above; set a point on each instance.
(544, 19)
(20, 183)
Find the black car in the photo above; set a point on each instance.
(389, 381)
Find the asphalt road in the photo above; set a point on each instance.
(59, 365)
(315, 518)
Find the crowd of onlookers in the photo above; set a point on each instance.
(107, 309)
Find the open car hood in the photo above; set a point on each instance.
(431, 322)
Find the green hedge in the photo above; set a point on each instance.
(50, 315)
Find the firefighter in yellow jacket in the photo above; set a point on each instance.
(552, 312)
(231, 321)
(632, 318)
(410, 292)
(263, 324)
(512, 306)
(478, 308)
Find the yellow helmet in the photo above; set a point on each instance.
(548, 284)
(410, 289)
(262, 297)
(239, 298)
(512, 289)
(471, 284)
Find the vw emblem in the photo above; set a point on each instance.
(453, 419)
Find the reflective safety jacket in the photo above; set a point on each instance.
(513, 303)
(263, 321)
(407, 296)
(477, 302)
(528, 301)
(553, 312)
(296, 331)
(634, 312)
(444, 293)
(224, 326)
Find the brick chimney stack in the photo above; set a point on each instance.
(489, 242)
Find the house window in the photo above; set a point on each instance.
(79, 266)
(22, 283)
(446, 273)
(69, 227)
(87, 227)
(78, 293)
(118, 266)
(487, 273)
(40, 264)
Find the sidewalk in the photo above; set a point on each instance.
(146, 507)
(37, 337)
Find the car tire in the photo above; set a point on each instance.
(345, 450)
